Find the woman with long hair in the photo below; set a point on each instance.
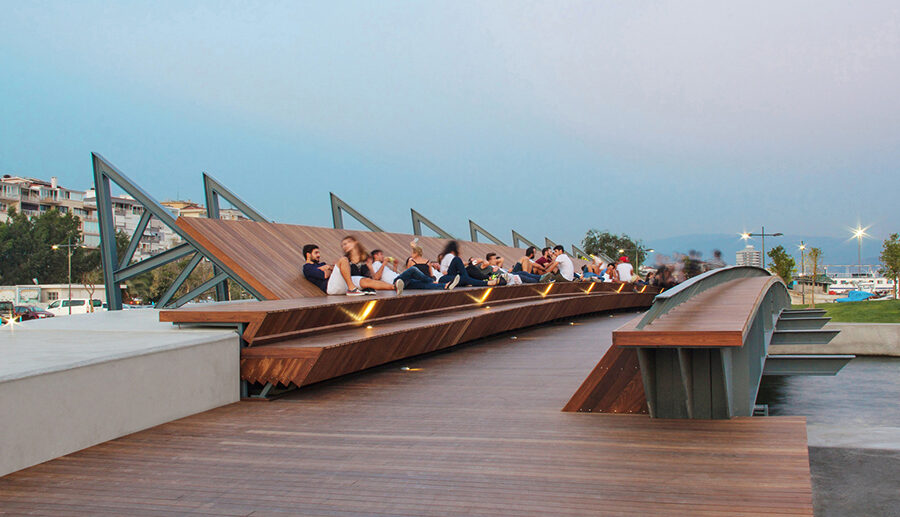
(353, 272)
(452, 265)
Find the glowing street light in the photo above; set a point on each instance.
(763, 234)
(858, 233)
(802, 248)
(69, 247)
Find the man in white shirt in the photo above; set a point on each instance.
(561, 269)
(626, 271)
(381, 269)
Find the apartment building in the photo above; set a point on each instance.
(34, 196)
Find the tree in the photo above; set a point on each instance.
(783, 264)
(596, 242)
(890, 260)
(814, 256)
(26, 248)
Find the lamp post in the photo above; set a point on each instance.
(68, 247)
(803, 270)
(762, 234)
(859, 232)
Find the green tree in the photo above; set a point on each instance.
(596, 242)
(26, 248)
(890, 260)
(783, 264)
(813, 257)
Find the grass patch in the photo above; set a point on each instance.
(887, 311)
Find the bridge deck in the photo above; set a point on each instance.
(473, 432)
(717, 317)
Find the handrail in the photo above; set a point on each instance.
(668, 300)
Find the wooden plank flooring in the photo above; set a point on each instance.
(474, 432)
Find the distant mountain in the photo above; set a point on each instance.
(836, 250)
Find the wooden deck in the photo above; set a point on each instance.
(473, 432)
(304, 341)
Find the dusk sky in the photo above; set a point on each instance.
(550, 118)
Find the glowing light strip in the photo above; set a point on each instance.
(591, 287)
(619, 290)
(643, 288)
(547, 290)
(485, 295)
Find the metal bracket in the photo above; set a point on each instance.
(418, 220)
(548, 243)
(338, 205)
(475, 229)
(579, 253)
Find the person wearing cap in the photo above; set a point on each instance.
(625, 269)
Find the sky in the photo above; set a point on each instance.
(655, 119)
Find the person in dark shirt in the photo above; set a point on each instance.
(314, 269)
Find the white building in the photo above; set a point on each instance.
(748, 256)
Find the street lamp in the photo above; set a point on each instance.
(859, 232)
(762, 234)
(69, 247)
(803, 270)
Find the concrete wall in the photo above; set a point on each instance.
(49, 415)
(855, 338)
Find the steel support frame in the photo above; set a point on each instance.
(475, 229)
(418, 220)
(115, 271)
(712, 382)
(517, 239)
(338, 206)
(212, 189)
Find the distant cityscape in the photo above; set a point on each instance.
(33, 197)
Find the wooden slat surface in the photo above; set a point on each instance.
(477, 432)
(275, 320)
(269, 256)
(318, 357)
(717, 317)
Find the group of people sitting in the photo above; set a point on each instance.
(359, 272)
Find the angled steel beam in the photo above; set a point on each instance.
(805, 364)
(104, 173)
(160, 259)
(548, 243)
(179, 280)
(338, 205)
(213, 189)
(209, 284)
(135, 239)
(517, 238)
(475, 229)
(579, 253)
(418, 220)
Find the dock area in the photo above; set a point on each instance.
(477, 430)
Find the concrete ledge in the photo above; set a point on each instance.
(54, 406)
(855, 338)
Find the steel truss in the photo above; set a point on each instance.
(117, 270)
(517, 240)
(418, 220)
(475, 229)
(338, 206)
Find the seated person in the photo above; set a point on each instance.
(415, 276)
(528, 264)
(452, 265)
(382, 269)
(626, 271)
(544, 260)
(611, 275)
(561, 269)
(350, 270)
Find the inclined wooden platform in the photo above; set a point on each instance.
(476, 432)
(301, 342)
(269, 256)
